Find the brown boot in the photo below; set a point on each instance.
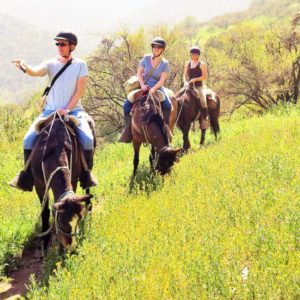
(126, 136)
(24, 181)
(87, 179)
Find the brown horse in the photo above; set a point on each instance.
(188, 110)
(56, 165)
(147, 126)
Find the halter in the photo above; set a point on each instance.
(59, 231)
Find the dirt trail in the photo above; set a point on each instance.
(29, 265)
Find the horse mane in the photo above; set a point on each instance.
(191, 93)
(150, 116)
(56, 140)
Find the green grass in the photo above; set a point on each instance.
(225, 224)
(19, 211)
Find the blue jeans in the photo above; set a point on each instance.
(83, 130)
(165, 105)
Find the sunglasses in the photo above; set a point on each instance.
(156, 47)
(61, 44)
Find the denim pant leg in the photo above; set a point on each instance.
(32, 134)
(127, 106)
(166, 104)
(84, 131)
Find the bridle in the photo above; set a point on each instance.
(60, 231)
(64, 195)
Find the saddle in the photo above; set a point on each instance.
(210, 94)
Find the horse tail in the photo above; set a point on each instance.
(214, 118)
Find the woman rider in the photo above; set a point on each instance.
(194, 73)
(152, 83)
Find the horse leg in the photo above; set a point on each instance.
(88, 202)
(151, 157)
(186, 142)
(136, 147)
(45, 218)
(214, 112)
(202, 136)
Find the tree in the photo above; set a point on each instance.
(115, 60)
(254, 66)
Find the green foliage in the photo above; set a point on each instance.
(252, 63)
(125, 49)
(224, 225)
(254, 60)
(18, 213)
(278, 9)
(15, 118)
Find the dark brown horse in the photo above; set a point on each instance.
(147, 126)
(56, 165)
(188, 110)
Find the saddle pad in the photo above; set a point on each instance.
(169, 93)
(132, 96)
(43, 121)
(210, 94)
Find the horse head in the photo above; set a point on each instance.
(167, 156)
(67, 214)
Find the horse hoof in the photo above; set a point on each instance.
(38, 255)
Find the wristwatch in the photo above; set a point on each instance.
(22, 67)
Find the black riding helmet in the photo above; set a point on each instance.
(68, 36)
(195, 49)
(159, 41)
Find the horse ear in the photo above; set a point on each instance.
(179, 151)
(83, 198)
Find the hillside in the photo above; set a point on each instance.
(278, 9)
(270, 10)
(21, 40)
(177, 11)
(223, 225)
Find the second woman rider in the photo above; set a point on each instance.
(152, 83)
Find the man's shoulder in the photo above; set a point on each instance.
(79, 60)
(51, 61)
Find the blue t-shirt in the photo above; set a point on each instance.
(65, 86)
(154, 78)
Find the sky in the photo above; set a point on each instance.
(94, 15)
(91, 20)
(78, 15)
